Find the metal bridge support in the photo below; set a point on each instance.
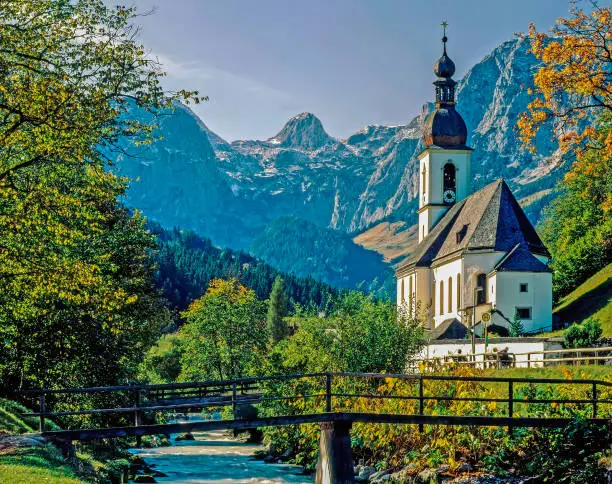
(335, 464)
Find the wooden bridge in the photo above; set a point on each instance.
(135, 407)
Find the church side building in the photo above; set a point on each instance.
(477, 253)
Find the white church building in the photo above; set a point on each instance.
(477, 252)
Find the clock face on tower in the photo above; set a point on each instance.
(449, 196)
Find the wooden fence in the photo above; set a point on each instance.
(504, 359)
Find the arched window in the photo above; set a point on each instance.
(449, 190)
(458, 291)
(410, 295)
(433, 298)
(481, 282)
(402, 297)
(450, 294)
(441, 298)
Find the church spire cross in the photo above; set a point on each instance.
(444, 24)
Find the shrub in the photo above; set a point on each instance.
(582, 335)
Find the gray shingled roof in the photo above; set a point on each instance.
(490, 218)
(520, 259)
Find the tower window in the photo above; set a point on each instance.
(449, 194)
(523, 287)
(424, 182)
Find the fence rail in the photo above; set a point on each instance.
(503, 359)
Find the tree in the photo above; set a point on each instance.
(582, 335)
(577, 227)
(575, 80)
(516, 326)
(278, 309)
(162, 363)
(225, 333)
(77, 304)
(361, 334)
(573, 93)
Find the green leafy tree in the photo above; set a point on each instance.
(582, 335)
(361, 334)
(225, 333)
(278, 308)
(77, 303)
(162, 363)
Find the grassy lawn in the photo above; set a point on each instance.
(591, 298)
(35, 465)
(595, 372)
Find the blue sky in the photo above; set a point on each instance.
(350, 62)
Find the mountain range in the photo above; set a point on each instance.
(267, 195)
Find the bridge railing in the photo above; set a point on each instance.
(332, 393)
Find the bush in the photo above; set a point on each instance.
(582, 335)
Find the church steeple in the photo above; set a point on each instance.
(445, 163)
(444, 127)
(444, 69)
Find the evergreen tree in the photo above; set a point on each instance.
(516, 326)
(277, 311)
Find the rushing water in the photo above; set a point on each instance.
(214, 457)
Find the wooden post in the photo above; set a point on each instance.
(335, 464)
(41, 410)
(594, 399)
(528, 360)
(234, 402)
(328, 395)
(138, 417)
(421, 401)
(510, 403)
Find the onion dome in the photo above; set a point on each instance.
(444, 127)
(444, 67)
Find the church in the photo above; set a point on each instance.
(479, 261)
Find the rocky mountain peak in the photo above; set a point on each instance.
(303, 131)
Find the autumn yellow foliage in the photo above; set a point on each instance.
(574, 81)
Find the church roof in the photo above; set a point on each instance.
(489, 219)
(520, 259)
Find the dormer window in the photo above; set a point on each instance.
(461, 233)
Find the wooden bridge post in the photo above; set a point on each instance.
(335, 465)
(41, 423)
(138, 416)
(328, 395)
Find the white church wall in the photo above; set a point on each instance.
(442, 274)
(474, 264)
(538, 298)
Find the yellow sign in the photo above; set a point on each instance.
(486, 317)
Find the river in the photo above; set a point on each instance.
(214, 457)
